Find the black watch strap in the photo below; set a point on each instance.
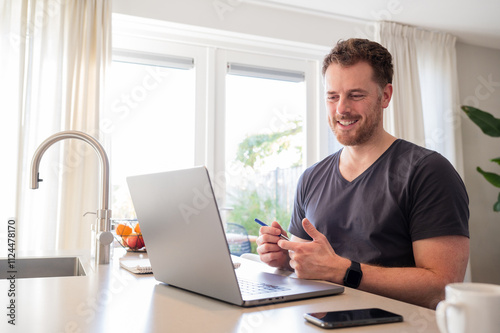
(353, 275)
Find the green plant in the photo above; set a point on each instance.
(257, 201)
(249, 205)
(490, 126)
(257, 147)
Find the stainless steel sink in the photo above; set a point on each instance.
(23, 268)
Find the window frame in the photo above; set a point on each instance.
(137, 44)
(212, 51)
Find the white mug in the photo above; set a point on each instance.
(469, 307)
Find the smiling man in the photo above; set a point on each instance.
(381, 214)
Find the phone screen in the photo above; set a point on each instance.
(349, 318)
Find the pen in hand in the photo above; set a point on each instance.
(265, 225)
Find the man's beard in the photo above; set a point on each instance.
(362, 134)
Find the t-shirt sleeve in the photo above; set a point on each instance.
(298, 213)
(440, 204)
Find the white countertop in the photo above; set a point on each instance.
(110, 299)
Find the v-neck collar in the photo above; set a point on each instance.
(362, 175)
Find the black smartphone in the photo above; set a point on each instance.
(349, 318)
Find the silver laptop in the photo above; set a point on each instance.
(187, 245)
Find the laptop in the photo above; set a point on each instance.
(187, 244)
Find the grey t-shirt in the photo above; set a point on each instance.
(410, 193)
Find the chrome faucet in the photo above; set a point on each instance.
(103, 238)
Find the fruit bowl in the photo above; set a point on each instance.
(128, 234)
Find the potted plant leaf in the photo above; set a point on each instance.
(490, 126)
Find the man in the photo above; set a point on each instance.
(382, 214)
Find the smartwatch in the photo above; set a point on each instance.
(353, 275)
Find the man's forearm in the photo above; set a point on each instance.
(438, 260)
(414, 285)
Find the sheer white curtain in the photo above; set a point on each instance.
(57, 52)
(441, 102)
(404, 118)
(425, 107)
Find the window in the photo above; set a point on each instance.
(264, 143)
(236, 106)
(149, 120)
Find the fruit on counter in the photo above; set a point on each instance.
(123, 230)
(131, 236)
(135, 241)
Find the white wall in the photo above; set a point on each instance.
(476, 67)
(474, 63)
(245, 18)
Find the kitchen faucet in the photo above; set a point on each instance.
(103, 238)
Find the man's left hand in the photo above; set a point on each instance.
(316, 259)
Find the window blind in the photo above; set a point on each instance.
(153, 59)
(265, 72)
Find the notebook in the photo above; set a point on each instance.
(136, 266)
(187, 245)
(143, 266)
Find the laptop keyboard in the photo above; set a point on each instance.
(253, 288)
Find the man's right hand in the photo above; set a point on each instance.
(268, 249)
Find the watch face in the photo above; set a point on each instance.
(353, 278)
(353, 275)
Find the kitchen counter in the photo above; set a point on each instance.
(111, 299)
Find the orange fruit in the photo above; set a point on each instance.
(123, 230)
(137, 228)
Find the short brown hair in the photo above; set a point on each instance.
(349, 52)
